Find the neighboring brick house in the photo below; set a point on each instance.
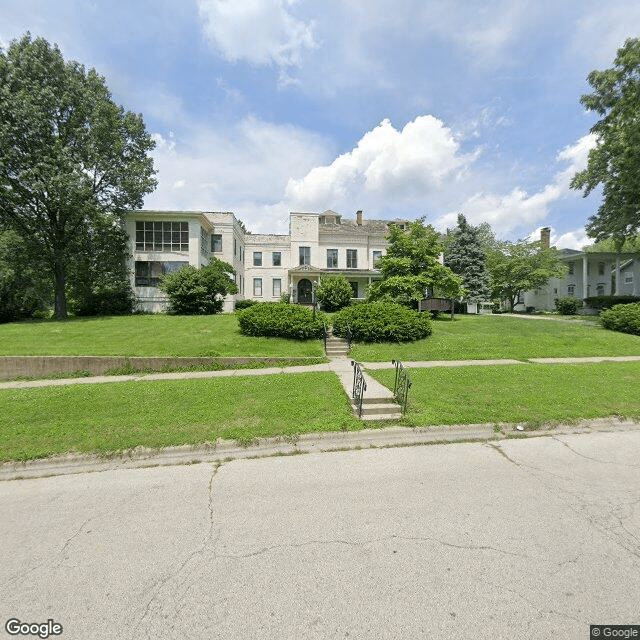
(267, 265)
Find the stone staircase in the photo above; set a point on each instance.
(336, 347)
(377, 402)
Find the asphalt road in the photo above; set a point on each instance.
(534, 538)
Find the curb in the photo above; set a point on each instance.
(228, 450)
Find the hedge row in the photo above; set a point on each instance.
(281, 320)
(622, 317)
(606, 302)
(382, 322)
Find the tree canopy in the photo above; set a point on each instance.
(71, 159)
(615, 161)
(193, 291)
(411, 267)
(516, 267)
(333, 292)
(465, 256)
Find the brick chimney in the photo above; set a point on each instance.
(359, 218)
(545, 237)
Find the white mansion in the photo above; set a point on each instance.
(266, 265)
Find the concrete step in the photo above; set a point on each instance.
(378, 408)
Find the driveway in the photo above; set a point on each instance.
(533, 538)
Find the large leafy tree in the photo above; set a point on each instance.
(465, 256)
(516, 267)
(411, 267)
(615, 161)
(70, 158)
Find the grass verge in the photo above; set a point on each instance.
(494, 336)
(533, 394)
(117, 416)
(146, 335)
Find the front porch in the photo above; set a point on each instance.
(304, 279)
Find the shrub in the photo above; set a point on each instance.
(382, 322)
(285, 297)
(334, 293)
(194, 291)
(281, 320)
(606, 302)
(567, 305)
(622, 317)
(244, 304)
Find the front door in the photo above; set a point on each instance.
(305, 292)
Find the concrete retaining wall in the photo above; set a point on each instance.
(42, 366)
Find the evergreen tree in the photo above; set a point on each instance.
(465, 256)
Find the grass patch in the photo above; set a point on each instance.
(533, 394)
(488, 337)
(113, 417)
(146, 335)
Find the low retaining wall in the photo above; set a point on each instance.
(42, 366)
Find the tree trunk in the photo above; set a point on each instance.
(60, 284)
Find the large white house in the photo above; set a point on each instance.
(588, 274)
(266, 265)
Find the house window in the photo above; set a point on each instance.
(257, 287)
(600, 268)
(277, 287)
(216, 243)
(235, 247)
(600, 289)
(352, 259)
(571, 264)
(332, 258)
(305, 255)
(276, 258)
(571, 289)
(354, 288)
(376, 257)
(154, 235)
(257, 258)
(149, 274)
(628, 277)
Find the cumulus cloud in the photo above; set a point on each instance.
(243, 168)
(258, 31)
(386, 164)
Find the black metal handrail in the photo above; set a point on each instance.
(326, 335)
(402, 385)
(359, 386)
(348, 335)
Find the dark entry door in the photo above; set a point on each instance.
(305, 292)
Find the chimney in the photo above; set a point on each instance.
(545, 237)
(359, 218)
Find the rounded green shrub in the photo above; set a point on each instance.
(281, 320)
(334, 293)
(382, 322)
(567, 305)
(244, 304)
(622, 317)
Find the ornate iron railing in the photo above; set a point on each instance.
(326, 335)
(359, 386)
(348, 336)
(402, 385)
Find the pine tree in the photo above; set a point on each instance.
(465, 256)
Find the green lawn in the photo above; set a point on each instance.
(146, 335)
(494, 336)
(116, 416)
(528, 393)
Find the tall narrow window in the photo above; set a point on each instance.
(571, 289)
(216, 242)
(354, 288)
(305, 255)
(277, 287)
(571, 268)
(600, 268)
(257, 287)
(276, 258)
(376, 257)
(332, 258)
(257, 258)
(352, 258)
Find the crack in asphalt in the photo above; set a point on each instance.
(618, 464)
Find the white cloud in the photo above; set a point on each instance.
(258, 31)
(386, 164)
(243, 168)
(575, 239)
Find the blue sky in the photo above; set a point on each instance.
(402, 109)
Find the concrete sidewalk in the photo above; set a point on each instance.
(340, 366)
